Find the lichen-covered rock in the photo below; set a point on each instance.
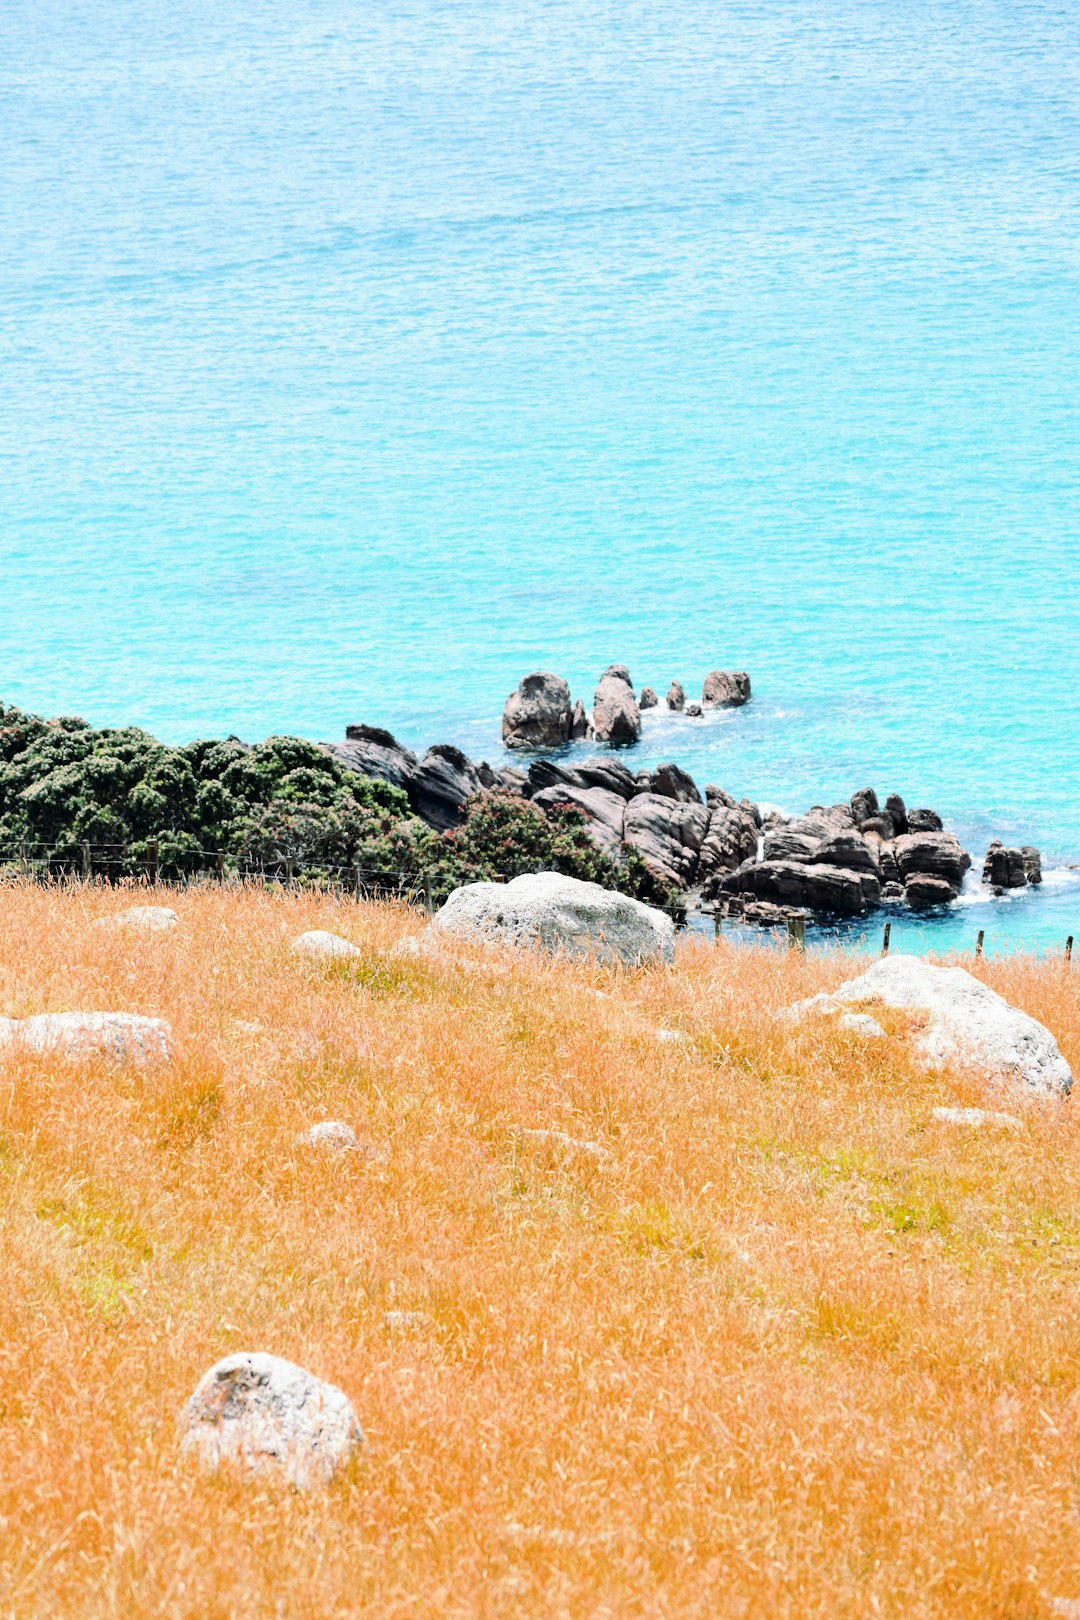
(969, 1023)
(333, 1134)
(547, 911)
(538, 714)
(616, 717)
(319, 942)
(266, 1415)
(121, 1037)
(726, 689)
(152, 919)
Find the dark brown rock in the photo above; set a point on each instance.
(579, 721)
(374, 752)
(849, 850)
(440, 784)
(607, 773)
(936, 854)
(731, 839)
(676, 697)
(672, 782)
(1004, 868)
(821, 888)
(864, 805)
(668, 833)
(896, 810)
(923, 821)
(693, 710)
(922, 890)
(1032, 863)
(537, 715)
(616, 717)
(648, 699)
(726, 689)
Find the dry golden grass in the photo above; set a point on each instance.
(789, 1349)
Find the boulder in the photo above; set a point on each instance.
(374, 752)
(1004, 868)
(937, 854)
(1032, 863)
(794, 883)
(720, 796)
(265, 1415)
(151, 919)
(850, 850)
(319, 942)
(549, 912)
(923, 821)
(896, 810)
(511, 780)
(864, 805)
(441, 783)
(922, 890)
(333, 1134)
(676, 697)
(730, 839)
(538, 714)
(668, 833)
(969, 1023)
(693, 711)
(120, 1037)
(672, 782)
(648, 699)
(616, 717)
(579, 721)
(726, 689)
(862, 1024)
(787, 843)
(605, 811)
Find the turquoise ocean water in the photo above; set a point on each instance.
(355, 360)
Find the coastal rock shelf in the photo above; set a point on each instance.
(842, 859)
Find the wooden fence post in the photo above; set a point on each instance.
(24, 864)
(796, 933)
(427, 893)
(87, 864)
(1068, 949)
(979, 943)
(219, 866)
(152, 862)
(885, 939)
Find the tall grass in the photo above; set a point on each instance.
(787, 1348)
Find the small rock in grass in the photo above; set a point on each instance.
(403, 1320)
(561, 1139)
(154, 919)
(123, 1037)
(862, 1024)
(319, 942)
(976, 1116)
(330, 1133)
(672, 1037)
(266, 1415)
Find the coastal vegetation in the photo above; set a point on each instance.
(282, 804)
(648, 1301)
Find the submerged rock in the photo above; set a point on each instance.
(538, 714)
(550, 912)
(263, 1415)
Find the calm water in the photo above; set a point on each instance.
(356, 359)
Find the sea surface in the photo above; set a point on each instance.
(357, 359)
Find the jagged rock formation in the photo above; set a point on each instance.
(538, 714)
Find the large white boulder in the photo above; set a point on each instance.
(547, 911)
(123, 1037)
(267, 1415)
(969, 1023)
(152, 919)
(319, 942)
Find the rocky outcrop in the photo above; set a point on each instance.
(579, 722)
(968, 1023)
(616, 717)
(263, 1415)
(441, 783)
(676, 697)
(672, 782)
(648, 698)
(549, 912)
(931, 854)
(796, 883)
(538, 714)
(731, 839)
(374, 752)
(668, 832)
(602, 772)
(604, 809)
(726, 689)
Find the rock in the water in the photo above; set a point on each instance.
(330, 1133)
(648, 698)
(969, 1023)
(1004, 868)
(668, 832)
(375, 752)
(693, 711)
(266, 1415)
(862, 1024)
(616, 717)
(726, 689)
(1032, 863)
(547, 911)
(936, 854)
(976, 1116)
(154, 919)
(440, 784)
(922, 890)
(122, 1037)
(850, 850)
(896, 810)
(676, 697)
(672, 782)
(320, 942)
(579, 721)
(793, 883)
(538, 714)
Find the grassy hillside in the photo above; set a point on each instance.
(788, 1348)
